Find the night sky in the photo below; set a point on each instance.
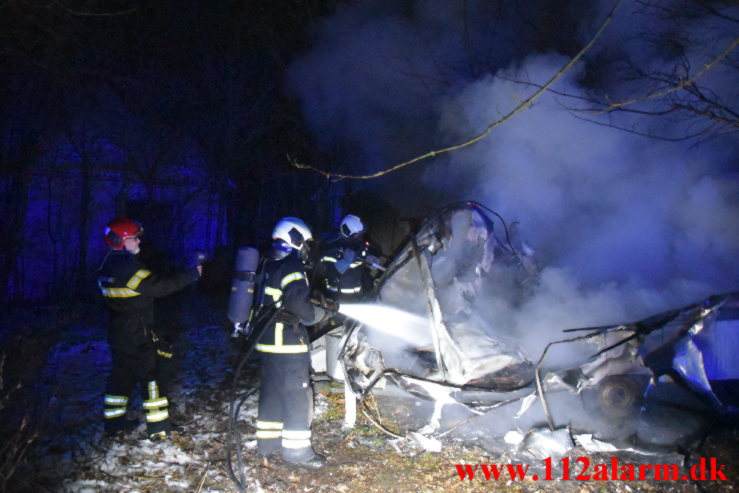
(188, 114)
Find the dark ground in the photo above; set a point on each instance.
(54, 366)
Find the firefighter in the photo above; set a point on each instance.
(346, 263)
(168, 328)
(129, 290)
(286, 395)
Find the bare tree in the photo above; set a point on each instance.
(693, 84)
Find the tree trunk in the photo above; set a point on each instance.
(13, 225)
(84, 225)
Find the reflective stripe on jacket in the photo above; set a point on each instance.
(129, 289)
(285, 286)
(349, 282)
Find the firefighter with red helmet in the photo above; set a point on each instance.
(129, 290)
(286, 395)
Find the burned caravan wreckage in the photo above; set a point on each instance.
(458, 371)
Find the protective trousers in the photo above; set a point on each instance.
(285, 406)
(168, 369)
(127, 370)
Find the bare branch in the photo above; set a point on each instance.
(708, 114)
(682, 85)
(95, 14)
(702, 5)
(712, 108)
(634, 131)
(524, 105)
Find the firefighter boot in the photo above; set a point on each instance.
(157, 437)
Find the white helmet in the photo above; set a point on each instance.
(351, 225)
(293, 231)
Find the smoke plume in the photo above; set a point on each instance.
(623, 225)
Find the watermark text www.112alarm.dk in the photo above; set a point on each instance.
(582, 469)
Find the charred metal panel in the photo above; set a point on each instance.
(655, 382)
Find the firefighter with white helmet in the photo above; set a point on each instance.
(129, 289)
(346, 262)
(351, 226)
(286, 395)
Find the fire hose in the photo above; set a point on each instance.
(233, 445)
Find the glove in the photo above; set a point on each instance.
(347, 258)
(241, 330)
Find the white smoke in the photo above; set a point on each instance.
(623, 225)
(609, 210)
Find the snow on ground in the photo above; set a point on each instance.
(73, 455)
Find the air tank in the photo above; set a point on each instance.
(242, 286)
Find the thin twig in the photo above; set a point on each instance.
(382, 428)
(95, 14)
(202, 481)
(682, 85)
(525, 104)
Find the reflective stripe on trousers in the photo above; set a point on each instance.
(156, 407)
(285, 405)
(114, 406)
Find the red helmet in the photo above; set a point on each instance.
(118, 230)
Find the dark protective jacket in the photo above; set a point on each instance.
(284, 284)
(344, 272)
(129, 290)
